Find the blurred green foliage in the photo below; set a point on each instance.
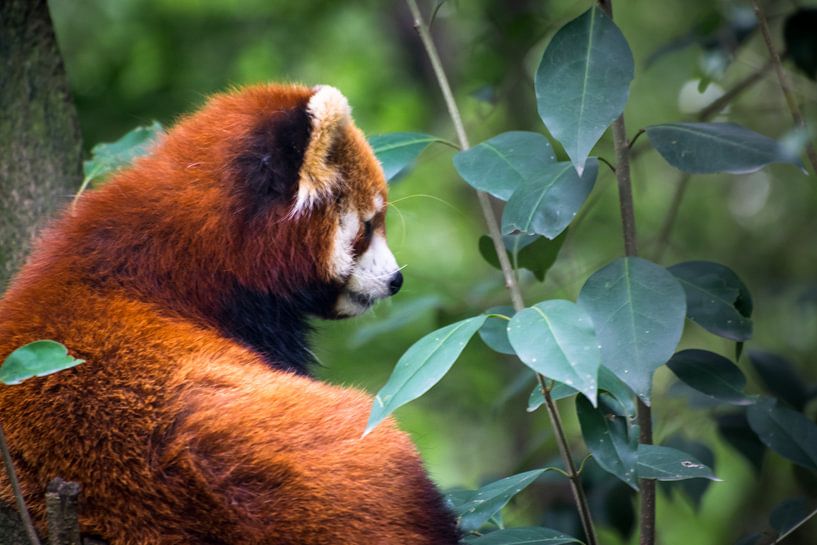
(131, 61)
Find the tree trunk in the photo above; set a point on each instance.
(40, 142)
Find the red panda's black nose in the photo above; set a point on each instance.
(395, 283)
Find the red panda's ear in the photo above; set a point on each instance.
(329, 112)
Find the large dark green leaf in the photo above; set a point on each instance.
(710, 374)
(422, 366)
(500, 165)
(546, 204)
(609, 439)
(484, 503)
(717, 299)
(523, 536)
(556, 339)
(109, 157)
(36, 359)
(583, 81)
(397, 151)
(801, 40)
(701, 148)
(669, 464)
(532, 252)
(788, 514)
(638, 311)
(787, 432)
(781, 378)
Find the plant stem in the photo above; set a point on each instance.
(18, 494)
(716, 106)
(625, 197)
(507, 272)
(795, 527)
(788, 93)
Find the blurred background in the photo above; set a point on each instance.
(132, 61)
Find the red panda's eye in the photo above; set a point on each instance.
(367, 229)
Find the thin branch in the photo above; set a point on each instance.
(795, 527)
(18, 493)
(635, 137)
(608, 163)
(788, 92)
(716, 106)
(669, 220)
(507, 271)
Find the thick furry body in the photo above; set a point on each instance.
(185, 283)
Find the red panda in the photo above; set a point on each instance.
(186, 283)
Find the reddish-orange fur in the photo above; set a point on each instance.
(178, 434)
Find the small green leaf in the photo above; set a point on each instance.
(583, 81)
(694, 489)
(36, 359)
(717, 299)
(523, 536)
(398, 151)
(494, 332)
(668, 464)
(609, 439)
(546, 204)
(710, 374)
(422, 366)
(491, 498)
(780, 377)
(705, 148)
(109, 157)
(532, 252)
(787, 432)
(638, 310)
(557, 392)
(502, 164)
(556, 339)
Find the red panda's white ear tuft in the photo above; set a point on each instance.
(330, 112)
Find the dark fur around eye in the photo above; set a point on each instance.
(368, 229)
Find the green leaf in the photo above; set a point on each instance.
(397, 151)
(491, 498)
(36, 359)
(710, 374)
(556, 339)
(609, 439)
(583, 81)
(717, 299)
(500, 165)
(422, 366)
(546, 204)
(788, 514)
(780, 378)
(523, 536)
(494, 332)
(787, 432)
(705, 148)
(109, 157)
(532, 252)
(557, 392)
(638, 311)
(668, 464)
(694, 489)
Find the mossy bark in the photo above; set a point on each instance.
(40, 142)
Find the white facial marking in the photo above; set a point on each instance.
(378, 202)
(342, 259)
(370, 279)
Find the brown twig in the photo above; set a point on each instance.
(18, 493)
(717, 105)
(622, 147)
(788, 92)
(507, 271)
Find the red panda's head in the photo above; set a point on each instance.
(268, 193)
